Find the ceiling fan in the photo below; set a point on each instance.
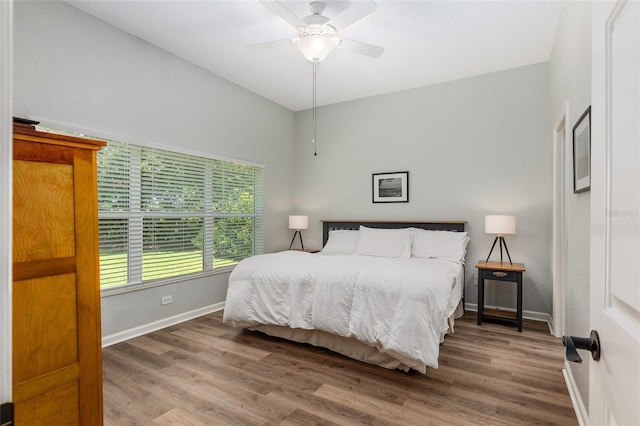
(318, 35)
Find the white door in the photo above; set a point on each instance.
(614, 385)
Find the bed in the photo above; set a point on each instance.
(385, 293)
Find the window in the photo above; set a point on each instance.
(164, 214)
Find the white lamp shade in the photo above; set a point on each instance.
(298, 222)
(500, 224)
(315, 47)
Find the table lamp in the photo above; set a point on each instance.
(500, 225)
(298, 222)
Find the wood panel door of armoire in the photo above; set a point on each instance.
(57, 355)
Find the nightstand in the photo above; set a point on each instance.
(500, 271)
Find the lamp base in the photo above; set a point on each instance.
(502, 242)
(294, 238)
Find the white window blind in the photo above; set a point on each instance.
(164, 214)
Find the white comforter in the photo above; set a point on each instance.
(399, 306)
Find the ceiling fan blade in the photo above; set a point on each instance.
(279, 9)
(271, 44)
(351, 15)
(360, 47)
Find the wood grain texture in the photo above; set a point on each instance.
(43, 208)
(88, 272)
(40, 152)
(35, 137)
(55, 407)
(45, 326)
(204, 372)
(43, 268)
(30, 389)
(57, 374)
(501, 266)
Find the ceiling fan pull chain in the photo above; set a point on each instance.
(315, 122)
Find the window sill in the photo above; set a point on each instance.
(182, 278)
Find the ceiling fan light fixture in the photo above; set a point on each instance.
(315, 47)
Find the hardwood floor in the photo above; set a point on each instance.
(202, 372)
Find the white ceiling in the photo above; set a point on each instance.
(425, 42)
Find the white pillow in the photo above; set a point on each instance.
(384, 242)
(341, 241)
(439, 244)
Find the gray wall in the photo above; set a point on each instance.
(477, 146)
(72, 68)
(570, 72)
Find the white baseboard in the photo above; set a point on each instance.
(157, 325)
(530, 315)
(576, 399)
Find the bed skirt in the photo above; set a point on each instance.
(350, 347)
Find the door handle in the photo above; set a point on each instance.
(591, 344)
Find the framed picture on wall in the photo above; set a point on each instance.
(391, 187)
(582, 153)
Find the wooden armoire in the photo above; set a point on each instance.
(57, 355)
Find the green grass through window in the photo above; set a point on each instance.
(155, 265)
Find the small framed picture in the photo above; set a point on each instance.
(391, 187)
(582, 153)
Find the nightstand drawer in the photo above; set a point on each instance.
(490, 274)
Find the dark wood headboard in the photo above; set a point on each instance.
(330, 225)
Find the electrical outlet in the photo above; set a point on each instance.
(166, 300)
